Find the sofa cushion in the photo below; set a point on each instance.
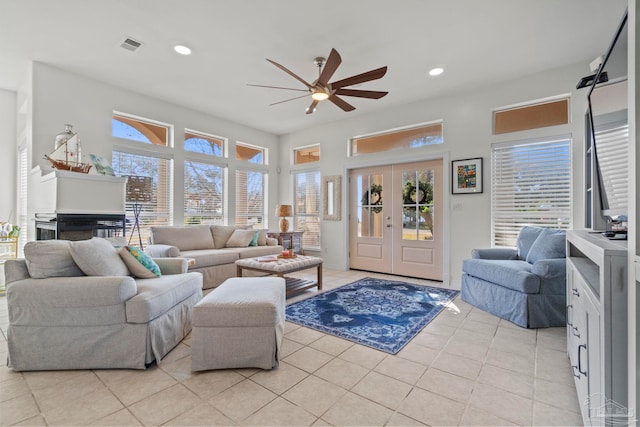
(512, 274)
(50, 258)
(551, 243)
(221, 234)
(98, 257)
(211, 257)
(526, 237)
(157, 296)
(240, 238)
(262, 237)
(140, 264)
(184, 238)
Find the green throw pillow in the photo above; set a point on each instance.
(140, 264)
(254, 241)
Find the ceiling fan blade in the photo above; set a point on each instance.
(341, 103)
(311, 108)
(373, 94)
(330, 67)
(291, 73)
(290, 99)
(360, 78)
(279, 87)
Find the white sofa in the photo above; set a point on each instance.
(214, 248)
(61, 318)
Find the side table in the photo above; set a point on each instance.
(289, 239)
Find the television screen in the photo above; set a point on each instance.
(609, 129)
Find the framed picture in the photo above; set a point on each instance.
(466, 176)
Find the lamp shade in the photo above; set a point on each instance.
(284, 210)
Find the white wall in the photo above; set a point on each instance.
(8, 111)
(60, 97)
(467, 133)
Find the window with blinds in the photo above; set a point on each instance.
(306, 212)
(149, 187)
(203, 193)
(23, 218)
(250, 196)
(531, 185)
(612, 151)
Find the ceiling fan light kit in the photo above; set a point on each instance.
(321, 89)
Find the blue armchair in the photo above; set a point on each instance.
(525, 285)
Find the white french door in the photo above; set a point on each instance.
(396, 223)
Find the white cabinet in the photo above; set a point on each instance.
(596, 325)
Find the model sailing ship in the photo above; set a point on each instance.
(67, 153)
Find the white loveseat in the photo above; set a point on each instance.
(214, 248)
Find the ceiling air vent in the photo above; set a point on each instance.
(130, 44)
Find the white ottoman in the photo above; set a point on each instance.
(239, 324)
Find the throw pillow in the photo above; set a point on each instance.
(221, 234)
(240, 238)
(254, 241)
(50, 258)
(526, 237)
(262, 238)
(98, 257)
(140, 264)
(551, 243)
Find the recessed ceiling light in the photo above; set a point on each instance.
(436, 71)
(182, 49)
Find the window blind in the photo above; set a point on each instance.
(23, 217)
(203, 193)
(612, 150)
(306, 213)
(250, 196)
(154, 174)
(530, 185)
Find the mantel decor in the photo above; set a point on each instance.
(332, 198)
(466, 176)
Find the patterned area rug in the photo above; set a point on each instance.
(382, 314)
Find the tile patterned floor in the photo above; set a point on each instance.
(466, 367)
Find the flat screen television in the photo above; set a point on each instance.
(608, 129)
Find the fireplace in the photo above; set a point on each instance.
(78, 206)
(79, 226)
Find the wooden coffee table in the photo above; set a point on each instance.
(282, 266)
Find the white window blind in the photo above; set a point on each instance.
(23, 218)
(612, 149)
(530, 185)
(149, 187)
(250, 196)
(203, 193)
(306, 212)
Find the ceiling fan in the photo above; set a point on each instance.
(321, 89)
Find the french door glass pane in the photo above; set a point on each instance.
(370, 204)
(417, 205)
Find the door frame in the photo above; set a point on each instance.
(408, 156)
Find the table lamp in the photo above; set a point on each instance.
(284, 211)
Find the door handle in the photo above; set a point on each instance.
(388, 225)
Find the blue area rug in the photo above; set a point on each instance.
(382, 314)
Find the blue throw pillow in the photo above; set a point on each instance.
(140, 264)
(551, 243)
(526, 237)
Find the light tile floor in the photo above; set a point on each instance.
(466, 367)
